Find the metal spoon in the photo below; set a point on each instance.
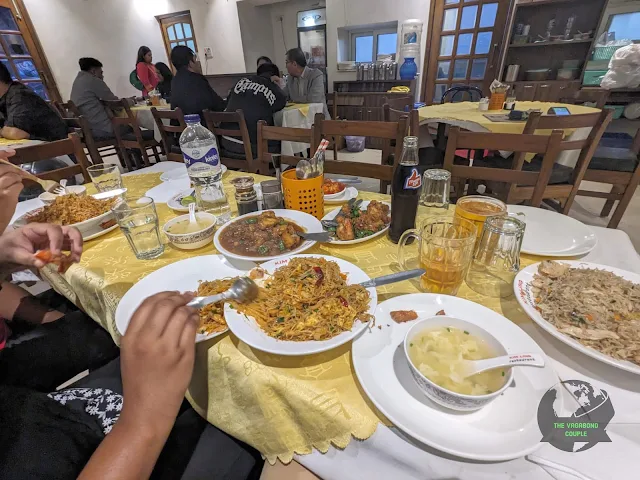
(303, 169)
(393, 278)
(471, 367)
(243, 289)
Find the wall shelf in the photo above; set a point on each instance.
(545, 44)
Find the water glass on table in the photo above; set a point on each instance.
(436, 184)
(445, 249)
(138, 220)
(496, 260)
(105, 177)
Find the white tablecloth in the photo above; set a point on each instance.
(294, 118)
(390, 454)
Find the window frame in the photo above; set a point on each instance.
(370, 33)
(174, 18)
(610, 21)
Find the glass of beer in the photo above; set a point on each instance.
(477, 208)
(445, 249)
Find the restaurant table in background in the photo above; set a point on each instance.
(6, 143)
(467, 116)
(145, 118)
(297, 115)
(286, 405)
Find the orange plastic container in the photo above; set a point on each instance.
(496, 101)
(303, 195)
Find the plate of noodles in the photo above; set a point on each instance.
(593, 308)
(307, 304)
(91, 216)
(206, 275)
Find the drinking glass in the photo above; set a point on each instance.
(105, 177)
(445, 248)
(138, 220)
(477, 208)
(436, 184)
(496, 260)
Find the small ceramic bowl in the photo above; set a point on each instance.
(192, 241)
(48, 197)
(443, 396)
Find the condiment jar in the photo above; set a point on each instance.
(246, 196)
(272, 195)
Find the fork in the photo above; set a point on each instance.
(62, 189)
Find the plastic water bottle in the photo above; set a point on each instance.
(200, 151)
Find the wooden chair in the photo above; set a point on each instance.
(242, 161)
(386, 131)
(394, 115)
(98, 149)
(465, 93)
(619, 167)
(281, 134)
(536, 181)
(169, 131)
(130, 136)
(599, 96)
(44, 151)
(564, 181)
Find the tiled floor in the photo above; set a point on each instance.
(584, 209)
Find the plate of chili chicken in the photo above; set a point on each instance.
(357, 221)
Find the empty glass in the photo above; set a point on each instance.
(138, 220)
(105, 177)
(445, 248)
(496, 260)
(436, 184)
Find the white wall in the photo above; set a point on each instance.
(257, 33)
(353, 13)
(112, 31)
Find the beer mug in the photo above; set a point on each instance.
(478, 208)
(496, 259)
(445, 248)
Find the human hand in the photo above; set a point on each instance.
(275, 79)
(19, 246)
(157, 357)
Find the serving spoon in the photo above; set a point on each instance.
(243, 290)
(472, 367)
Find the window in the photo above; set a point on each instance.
(177, 29)
(625, 25)
(366, 46)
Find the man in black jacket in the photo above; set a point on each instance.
(190, 90)
(259, 97)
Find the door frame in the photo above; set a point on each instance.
(165, 38)
(24, 20)
(427, 53)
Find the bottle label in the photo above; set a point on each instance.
(413, 181)
(200, 161)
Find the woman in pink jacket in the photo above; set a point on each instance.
(146, 70)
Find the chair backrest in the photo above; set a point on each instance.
(404, 103)
(44, 151)
(599, 96)
(386, 131)
(525, 143)
(597, 121)
(393, 115)
(280, 134)
(214, 120)
(170, 131)
(462, 91)
(69, 109)
(121, 116)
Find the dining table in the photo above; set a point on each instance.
(297, 115)
(467, 116)
(145, 117)
(312, 408)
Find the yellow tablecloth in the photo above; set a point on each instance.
(467, 112)
(6, 142)
(279, 405)
(302, 107)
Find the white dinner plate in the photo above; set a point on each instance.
(522, 287)
(247, 330)
(342, 197)
(505, 429)
(174, 202)
(551, 234)
(308, 222)
(181, 172)
(363, 206)
(182, 276)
